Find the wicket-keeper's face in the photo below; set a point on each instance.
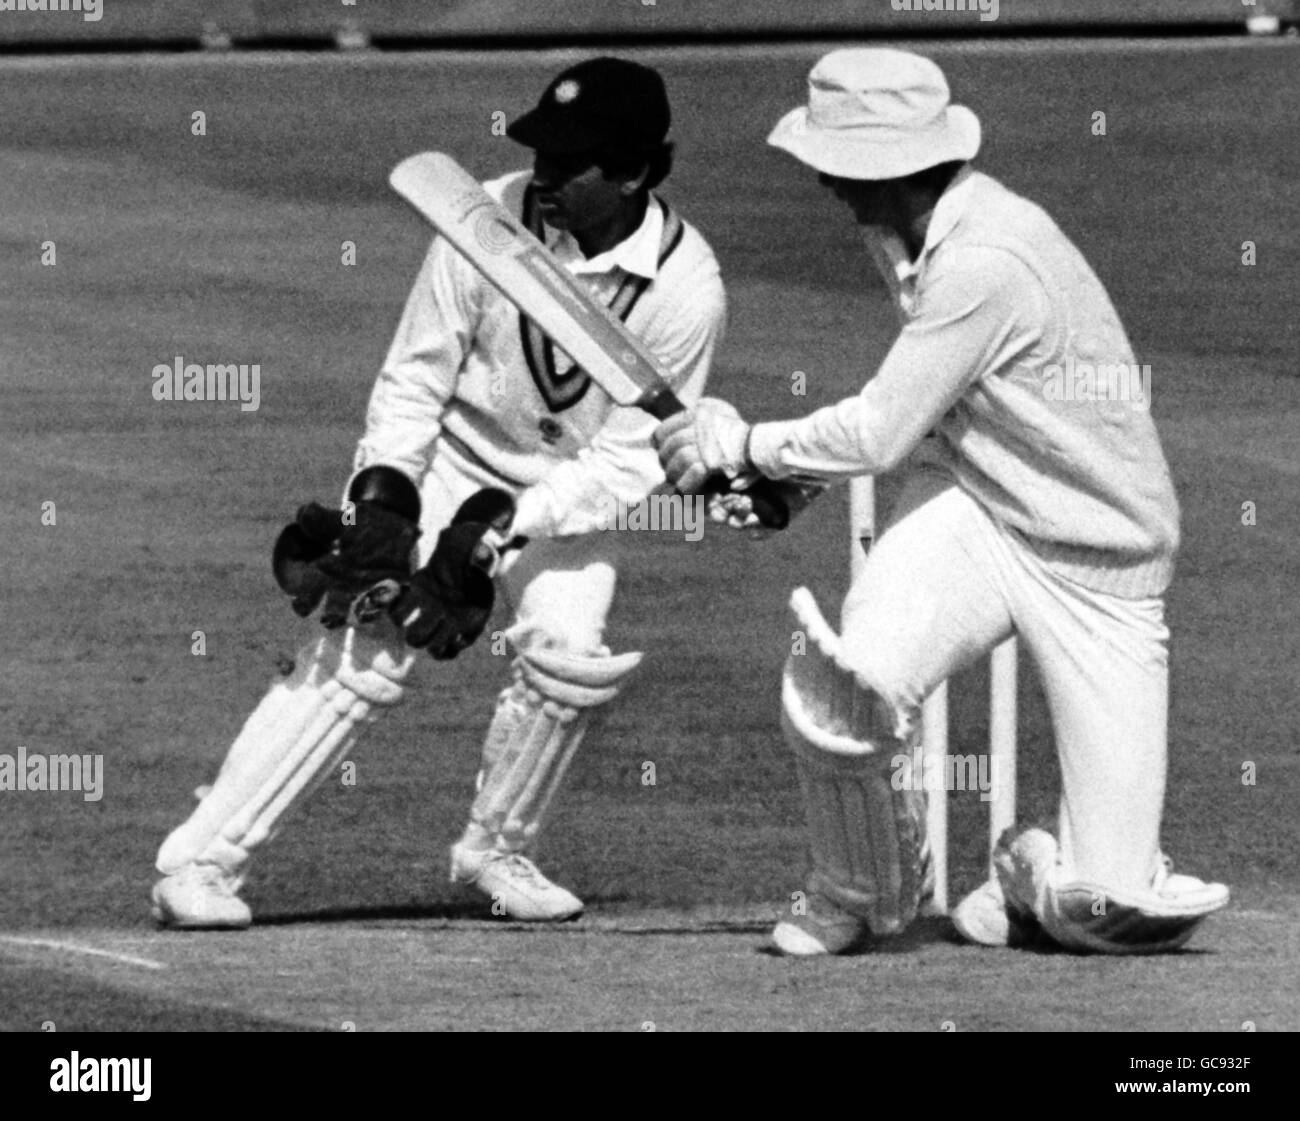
(572, 191)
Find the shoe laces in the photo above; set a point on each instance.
(215, 877)
(521, 866)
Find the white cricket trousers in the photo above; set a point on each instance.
(561, 590)
(945, 584)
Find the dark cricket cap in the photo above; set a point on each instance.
(599, 101)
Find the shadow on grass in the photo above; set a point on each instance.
(925, 931)
(409, 912)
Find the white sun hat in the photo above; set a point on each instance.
(874, 113)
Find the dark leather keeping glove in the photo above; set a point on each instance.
(448, 602)
(353, 560)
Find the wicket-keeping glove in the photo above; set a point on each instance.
(348, 557)
(448, 602)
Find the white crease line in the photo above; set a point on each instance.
(73, 948)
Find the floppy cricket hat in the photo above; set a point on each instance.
(599, 101)
(875, 113)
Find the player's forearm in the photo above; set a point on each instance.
(620, 467)
(864, 435)
(926, 371)
(583, 494)
(404, 418)
(419, 375)
(979, 315)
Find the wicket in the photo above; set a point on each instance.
(934, 738)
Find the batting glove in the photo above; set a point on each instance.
(701, 443)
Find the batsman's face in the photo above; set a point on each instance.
(573, 193)
(873, 201)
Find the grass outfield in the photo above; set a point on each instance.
(226, 248)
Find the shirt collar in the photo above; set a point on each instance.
(948, 210)
(637, 253)
(889, 249)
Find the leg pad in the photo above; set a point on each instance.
(867, 837)
(538, 727)
(304, 726)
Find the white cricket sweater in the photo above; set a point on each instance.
(1012, 353)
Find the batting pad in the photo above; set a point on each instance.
(303, 728)
(868, 839)
(539, 724)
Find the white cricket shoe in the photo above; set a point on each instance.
(823, 929)
(1169, 884)
(514, 883)
(985, 917)
(200, 897)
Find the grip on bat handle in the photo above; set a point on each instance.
(768, 497)
(769, 503)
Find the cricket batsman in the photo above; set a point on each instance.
(495, 462)
(1042, 506)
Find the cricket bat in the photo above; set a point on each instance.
(497, 244)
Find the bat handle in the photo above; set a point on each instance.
(661, 403)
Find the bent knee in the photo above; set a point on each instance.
(576, 679)
(372, 662)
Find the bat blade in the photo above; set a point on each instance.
(496, 243)
(506, 252)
